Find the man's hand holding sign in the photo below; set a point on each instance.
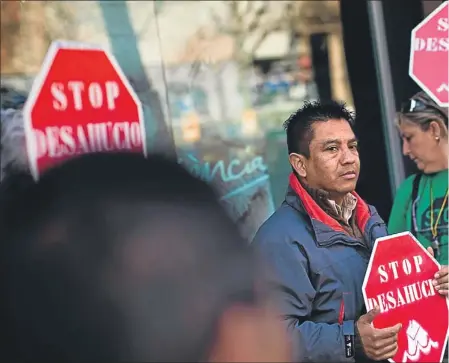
(381, 344)
(403, 284)
(378, 344)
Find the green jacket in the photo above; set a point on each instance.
(401, 214)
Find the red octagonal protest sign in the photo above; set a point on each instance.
(80, 103)
(399, 281)
(429, 55)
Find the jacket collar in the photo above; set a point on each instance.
(341, 213)
(317, 214)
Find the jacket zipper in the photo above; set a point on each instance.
(341, 314)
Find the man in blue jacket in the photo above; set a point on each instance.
(315, 248)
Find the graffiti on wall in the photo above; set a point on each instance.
(243, 186)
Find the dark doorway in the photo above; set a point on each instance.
(320, 61)
(374, 183)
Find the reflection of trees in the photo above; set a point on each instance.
(249, 23)
(180, 94)
(124, 44)
(27, 29)
(308, 17)
(208, 52)
(313, 16)
(9, 31)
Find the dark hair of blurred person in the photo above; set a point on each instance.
(121, 258)
(14, 170)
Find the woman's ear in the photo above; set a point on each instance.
(297, 162)
(437, 130)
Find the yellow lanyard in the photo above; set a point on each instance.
(434, 227)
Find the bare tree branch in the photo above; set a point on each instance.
(249, 6)
(260, 12)
(235, 15)
(262, 37)
(254, 21)
(219, 23)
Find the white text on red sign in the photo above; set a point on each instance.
(98, 95)
(435, 44)
(406, 294)
(57, 142)
(68, 140)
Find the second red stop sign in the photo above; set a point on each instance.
(399, 281)
(80, 102)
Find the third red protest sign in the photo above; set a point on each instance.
(399, 281)
(429, 55)
(80, 102)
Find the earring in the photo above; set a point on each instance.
(437, 138)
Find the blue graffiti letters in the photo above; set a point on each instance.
(235, 170)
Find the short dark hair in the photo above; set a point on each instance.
(117, 257)
(299, 125)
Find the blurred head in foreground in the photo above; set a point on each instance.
(121, 258)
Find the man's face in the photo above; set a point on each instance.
(334, 163)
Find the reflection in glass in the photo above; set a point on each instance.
(216, 78)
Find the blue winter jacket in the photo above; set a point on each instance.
(315, 272)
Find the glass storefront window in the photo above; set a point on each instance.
(216, 78)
